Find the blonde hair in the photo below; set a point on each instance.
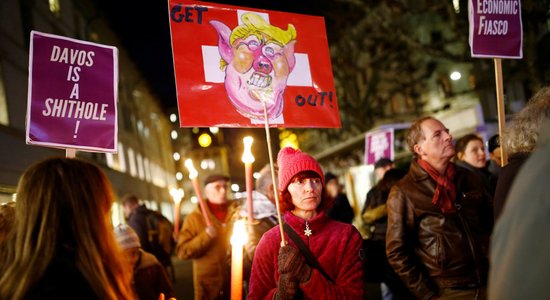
(252, 24)
(256, 25)
(522, 133)
(63, 203)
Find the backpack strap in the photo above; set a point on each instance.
(152, 226)
(311, 260)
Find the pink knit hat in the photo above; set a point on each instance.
(291, 162)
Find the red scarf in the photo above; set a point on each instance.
(218, 210)
(445, 192)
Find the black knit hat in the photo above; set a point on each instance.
(215, 177)
(383, 162)
(329, 176)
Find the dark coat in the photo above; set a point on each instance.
(429, 249)
(341, 210)
(505, 180)
(137, 220)
(62, 280)
(375, 198)
(488, 179)
(150, 278)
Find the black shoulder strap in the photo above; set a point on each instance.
(310, 258)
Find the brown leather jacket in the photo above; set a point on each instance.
(430, 250)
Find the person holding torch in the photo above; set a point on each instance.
(205, 240)
(322, 258)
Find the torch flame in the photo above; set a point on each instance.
(239, 236)
(177, 194)
(192, 171)
(247, 154)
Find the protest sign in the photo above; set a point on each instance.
(379, 144)
(495, 28)
(229, 61)
(72, 94)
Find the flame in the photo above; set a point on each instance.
(192, 171)
(177, 194)
(239, 236)
(247, 154)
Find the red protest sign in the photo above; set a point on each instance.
(229, 60)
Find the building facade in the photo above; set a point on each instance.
(143, 164)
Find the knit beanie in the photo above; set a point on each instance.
(293, 161)
(126, 237)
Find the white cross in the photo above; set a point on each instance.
(300, 75)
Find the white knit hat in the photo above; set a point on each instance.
(126, 237)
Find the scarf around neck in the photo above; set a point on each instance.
(445, 192)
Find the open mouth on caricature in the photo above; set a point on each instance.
(259, 80)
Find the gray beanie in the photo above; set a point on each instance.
(126, 237)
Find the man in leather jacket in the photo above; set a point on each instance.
(439, 221)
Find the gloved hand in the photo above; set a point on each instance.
(287, 288)
(292, 262)
(211, 231)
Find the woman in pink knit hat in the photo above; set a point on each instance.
(333, 268)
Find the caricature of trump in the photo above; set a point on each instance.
(257, 58)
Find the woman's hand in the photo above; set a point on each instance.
(287, 287)
(292, 262)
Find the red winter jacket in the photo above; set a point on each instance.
(337, 247)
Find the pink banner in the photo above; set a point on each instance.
(72, 94)
(379, 145)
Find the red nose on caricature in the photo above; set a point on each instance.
(262, 64)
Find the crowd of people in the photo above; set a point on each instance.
(453, 224)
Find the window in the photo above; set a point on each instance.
(141, 171)
(147, 169)
(4, 120)
(132, 162)
(55, 7)
(116, 161)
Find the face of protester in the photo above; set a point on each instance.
(128, 209)
(379, 172)
(496, 155)
(216, 192)
(332, 187)
(436, 147)
(306, 193)
(474, 154)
